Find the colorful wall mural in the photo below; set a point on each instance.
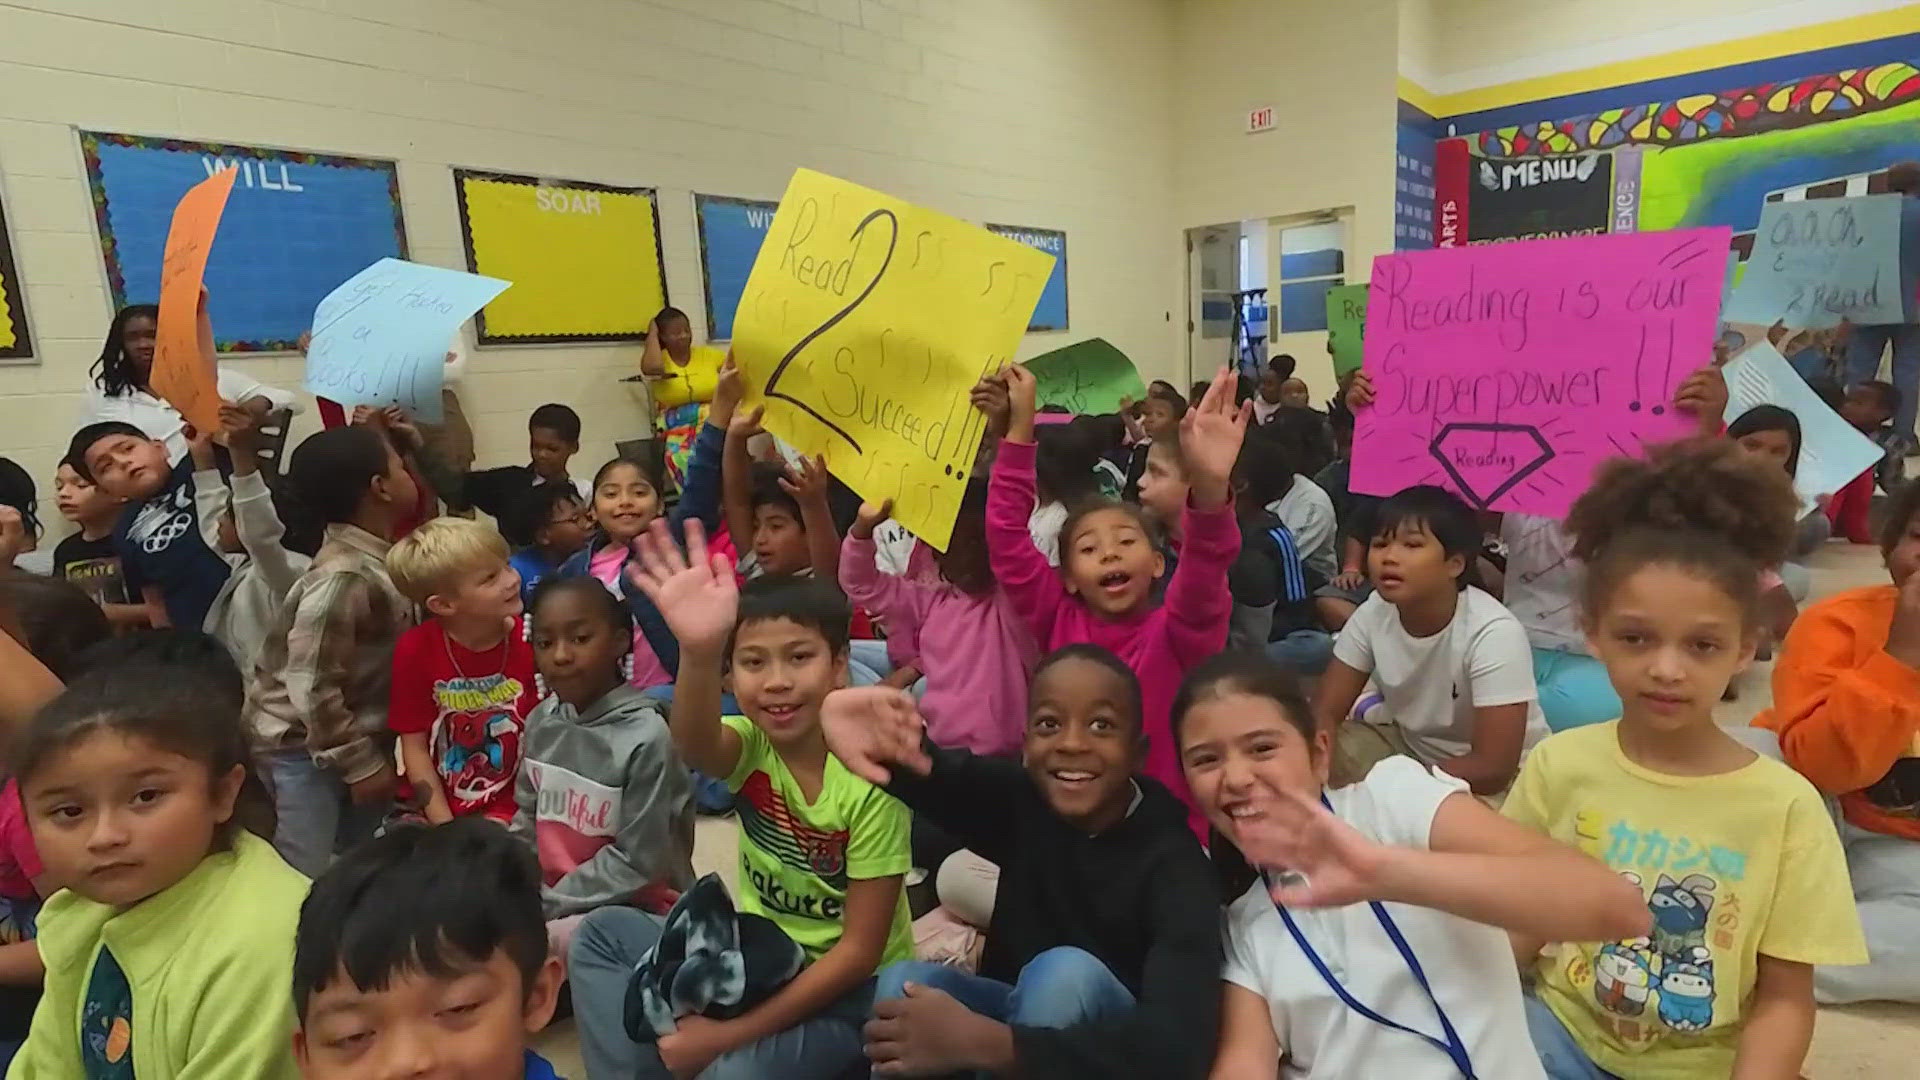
(1704, 159)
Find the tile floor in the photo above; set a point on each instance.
(1866, 1042)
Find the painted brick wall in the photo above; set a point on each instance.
(1054, 113)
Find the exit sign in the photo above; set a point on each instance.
(1259, 120)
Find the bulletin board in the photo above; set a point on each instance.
(297, 225)
(731, 231)
(584, 258)
(1051, 314)
(15, 343)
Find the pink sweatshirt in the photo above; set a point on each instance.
(1159, 644)
(976, 651)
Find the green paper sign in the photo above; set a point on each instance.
(1346, 326)
(1089, 378)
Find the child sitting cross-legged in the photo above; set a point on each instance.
(1453, 666)
(463, 680)
(602, 795)
(822, 851)
(1103, 953)
(422, 953)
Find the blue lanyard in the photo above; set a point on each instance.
(1453, 1046)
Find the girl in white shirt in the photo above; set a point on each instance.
(1373, 944)
(120, 390)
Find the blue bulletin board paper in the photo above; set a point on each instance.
(1818, 261)
(381, 338)
(298, 224)
(731, 231)
(1051, 312)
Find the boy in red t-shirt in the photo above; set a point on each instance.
(463, 681)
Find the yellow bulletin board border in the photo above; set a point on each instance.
(460, 178)
(14, 297)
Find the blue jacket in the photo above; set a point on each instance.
(699, 498)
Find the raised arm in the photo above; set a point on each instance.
(807, 482)
(653, 364)
(1032, 586)
(700, 497)
(736, 481)
(254, 518)
(1198, 603)
(696, 594)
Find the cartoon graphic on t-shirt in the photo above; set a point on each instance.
(1686, 994)
(1623, 977)
(476, 738)
(1673, 969)
(1680, 913)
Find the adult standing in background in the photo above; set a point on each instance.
(120, 389)
(1866, 343)
(681, 377)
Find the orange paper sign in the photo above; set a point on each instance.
(183, 371)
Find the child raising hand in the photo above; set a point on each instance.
(1103, 593)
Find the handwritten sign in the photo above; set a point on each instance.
(1818, 261)
(865, 323)
(1346, 326)
(381, 338)
(1050, 313)
(1507, 373)
(1832, 451)
(183, 371)
(1091, 377)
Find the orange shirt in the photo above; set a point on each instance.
(1845, 710)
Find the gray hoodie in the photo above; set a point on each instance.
(604, 798)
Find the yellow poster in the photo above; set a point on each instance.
(863, 327)
(584, 258)
(13, 316)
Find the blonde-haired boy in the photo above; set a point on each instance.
(463, 681)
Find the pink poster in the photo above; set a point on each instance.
(1509, 372)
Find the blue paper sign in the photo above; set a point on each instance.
(381, 338)
(1051, 312)
(1818, 261)
(1832, 451)
(731, 231)
(296, 226)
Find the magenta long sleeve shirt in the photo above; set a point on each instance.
(1159, 644)
(976, 651)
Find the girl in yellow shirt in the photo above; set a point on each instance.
(1735, 852)
(682, 377)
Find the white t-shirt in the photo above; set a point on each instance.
(1044, 526)
(1307, 513)
(1544, 582)
(1470, 965)
(162, 421)
(1433, 684)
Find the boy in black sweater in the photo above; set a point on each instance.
(1103, 956)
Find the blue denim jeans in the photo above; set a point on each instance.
(1059, 988)
(315, 815)
(1303, 652)
(1559, 1054)
(1866, 344)
(607, 945)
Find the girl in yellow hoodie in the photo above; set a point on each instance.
(170, 948)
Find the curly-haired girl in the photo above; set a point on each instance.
(1739, 861)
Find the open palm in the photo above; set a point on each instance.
(695, 592)
(1297, 834)
(1211, 432)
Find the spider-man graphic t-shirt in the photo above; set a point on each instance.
(796, 857)
(473, 707)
